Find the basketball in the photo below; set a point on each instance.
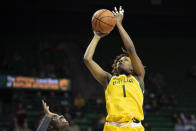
(103, 21)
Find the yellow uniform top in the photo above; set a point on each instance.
(124, 99)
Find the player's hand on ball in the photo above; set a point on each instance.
(99, 34)
(46, 109)
(119, 14)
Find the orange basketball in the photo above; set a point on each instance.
(103, 21)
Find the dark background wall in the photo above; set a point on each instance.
(164, 34)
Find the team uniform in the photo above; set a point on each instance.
(124, 101)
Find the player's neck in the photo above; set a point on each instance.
(127, 74)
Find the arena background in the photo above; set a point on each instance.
(47, 39)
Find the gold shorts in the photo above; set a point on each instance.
(128, 126)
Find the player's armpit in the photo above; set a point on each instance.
(98, 73)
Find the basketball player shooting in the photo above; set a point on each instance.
(124, 88)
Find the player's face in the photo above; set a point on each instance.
(60, 122)
(124, 65)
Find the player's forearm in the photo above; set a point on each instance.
(128, 43)
(44, 124)
(91, 48)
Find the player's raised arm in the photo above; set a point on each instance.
(99, 74)
(138, 67)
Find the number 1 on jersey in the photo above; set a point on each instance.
(124, 92)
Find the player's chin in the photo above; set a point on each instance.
(123, 67)
(62, 125)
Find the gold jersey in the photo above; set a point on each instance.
(124, 99)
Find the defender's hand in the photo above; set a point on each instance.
(118, 15)
(46, 110)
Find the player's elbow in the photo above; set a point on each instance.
(86, 60)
